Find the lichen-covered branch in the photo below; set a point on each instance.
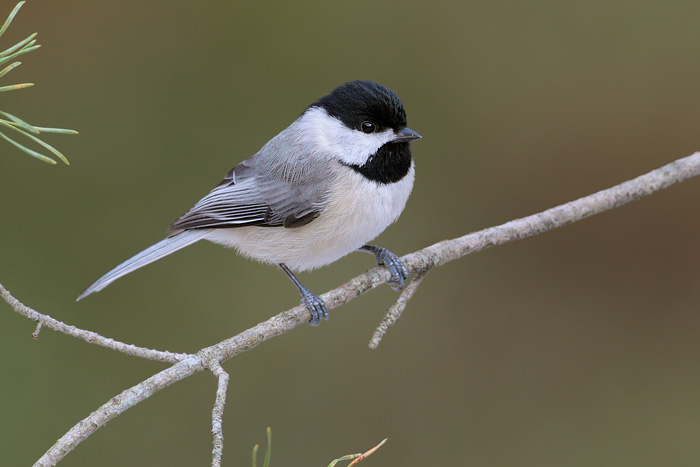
(394, 313)
(217, 414)
(418, 262)
(88, 336)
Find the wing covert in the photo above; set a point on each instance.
(247, 197)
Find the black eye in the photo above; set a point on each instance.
(368, 127)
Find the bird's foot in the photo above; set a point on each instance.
(315, 305)
(398, 271)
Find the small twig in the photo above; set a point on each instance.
(365, 455)
(394, 313)
(357, 458)
(37, 330)
(87, 336)
(217, 414)
(422, 260)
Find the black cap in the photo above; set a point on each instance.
(361, 101)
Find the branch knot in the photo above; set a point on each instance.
(210, 358)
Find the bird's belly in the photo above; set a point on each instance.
(359, 212)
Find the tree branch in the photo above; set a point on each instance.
(395, 311)
(217, 414)
(88, 336)
(418, 262)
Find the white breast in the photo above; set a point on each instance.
(359, 211)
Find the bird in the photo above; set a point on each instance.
(324, 187)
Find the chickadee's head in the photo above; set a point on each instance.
(363, 125)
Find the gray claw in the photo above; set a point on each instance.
(315, 306)
(398, 271)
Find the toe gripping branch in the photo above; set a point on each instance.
(386, 258)
(310, 300)
(317, 307)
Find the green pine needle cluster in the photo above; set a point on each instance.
(268, 451)
(10, 122)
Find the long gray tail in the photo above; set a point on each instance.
(147, 256)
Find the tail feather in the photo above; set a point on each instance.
(147, 256)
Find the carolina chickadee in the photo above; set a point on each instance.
(324, 187)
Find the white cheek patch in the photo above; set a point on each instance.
(330, 137)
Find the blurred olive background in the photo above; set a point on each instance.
(578, 347)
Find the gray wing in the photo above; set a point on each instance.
(250, 196)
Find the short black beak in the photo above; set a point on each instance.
(405, 135)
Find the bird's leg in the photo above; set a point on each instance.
(386, 258)
(312, 301)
